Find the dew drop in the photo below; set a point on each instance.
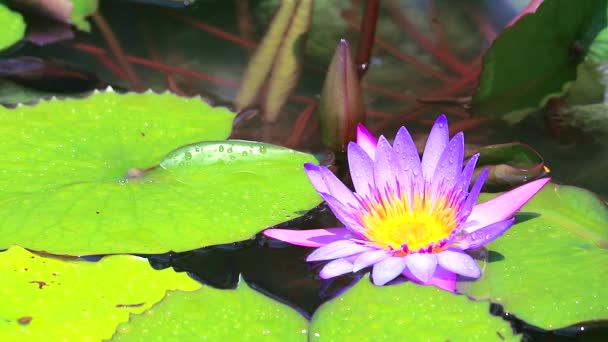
(187, 155)
(221, 148)
(229, 150)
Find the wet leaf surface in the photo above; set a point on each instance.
(49, 298)
(97, 189)
(551, 267)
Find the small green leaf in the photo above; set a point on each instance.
(13, 27)
(216, 315)
(551, 268)
(527, 65)
(80, 11)
(406, 312)
(83, 177)
(286, 68)
(55, 299)
(341, 105)
(510, 165)
(262, 60)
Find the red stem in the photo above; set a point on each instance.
(367, 31)
(447, 59)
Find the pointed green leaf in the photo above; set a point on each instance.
(535, 58)
(263, 59)
(341, 105)
(81, 9)
(216, 315)
(55, 299)
(82, 177)
(13, 27)
(551, 268)
(286, 69)
(406, 312)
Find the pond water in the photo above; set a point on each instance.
(204, 50)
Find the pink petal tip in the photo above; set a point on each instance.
(309, 238)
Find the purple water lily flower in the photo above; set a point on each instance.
(407, 216)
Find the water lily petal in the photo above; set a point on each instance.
(435, 144)
(336, 249)
(366, 140)
(316, 178)
(422, 265)
(468, 205)
(442, 278)
(387, 270)
(337, 189)
(361, 169)
(369, 258)
(387, 170)
(467, 173)
(406, 150)
(459, 262)
(339, 209)
(482, 236)
(505, 205)
(336, 268)
(449, 166)
(311, 237)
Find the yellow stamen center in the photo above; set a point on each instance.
(393, 221)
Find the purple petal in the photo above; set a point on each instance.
(421, 265)
(435, 144)
(442, 279)
(467, 207)
(407, 152)
(337, 189)
(449, 166)
(387, 270)
(387, 168)
(482, 236)
(505, 205)
(467, 173)
(366, 140)
(369, 258)
(361, 169)
(316, 177)
(336, 249)
(458, 262)
(309, 238)
(336, 268)
(346, 216)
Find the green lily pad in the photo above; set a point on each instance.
(211, 314)
(517, 73)
(13, 27)
(56, 299)
(551, 270)
(83, 177)
(406, 312)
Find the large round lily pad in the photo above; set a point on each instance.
(13, 27)
(83, 177)
(551, 268)
(55, 299)
(216, 315)
(406, 312)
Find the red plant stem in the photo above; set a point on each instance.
(215, 31)
(114, 45)
(115, 69)
(486, 29)
(367, 31)
(468, 124)
(407, 58)
(388, 93)
(301, 124)
(531, 7)
(455, 110)
(161, 66)
(447, 59)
